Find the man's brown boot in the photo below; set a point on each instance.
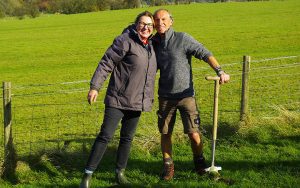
(168, 171)
(200, 165)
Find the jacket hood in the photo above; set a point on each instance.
(129, 29)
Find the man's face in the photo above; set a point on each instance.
(162, 21)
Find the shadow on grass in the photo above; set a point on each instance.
(225, 130)
(63, 164)
(291, 138)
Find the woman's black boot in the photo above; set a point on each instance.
(120, 177)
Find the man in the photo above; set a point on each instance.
(174, 51)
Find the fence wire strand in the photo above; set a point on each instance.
(57, 115)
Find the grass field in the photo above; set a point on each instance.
(42, 55)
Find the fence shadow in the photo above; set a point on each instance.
(57, 163)
(225, 130)
(70, 164)
(10, 163)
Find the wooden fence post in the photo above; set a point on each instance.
(245, 90)
(9, 151)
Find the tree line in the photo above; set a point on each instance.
(33, 8)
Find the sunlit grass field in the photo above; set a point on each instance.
(52, 50)
(59, 48)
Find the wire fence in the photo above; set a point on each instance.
(274, 85)
(52, 116)
(57, 116)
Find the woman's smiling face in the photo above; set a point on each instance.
(144, 27)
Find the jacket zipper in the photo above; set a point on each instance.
(148, 48)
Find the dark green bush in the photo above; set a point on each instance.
(33, 8)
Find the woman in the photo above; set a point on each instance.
(132, 64)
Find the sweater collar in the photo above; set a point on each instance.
(167, 35)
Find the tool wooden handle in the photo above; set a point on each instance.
(215, 114)
(212, 78)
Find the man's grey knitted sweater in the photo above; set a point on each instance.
(174, 55)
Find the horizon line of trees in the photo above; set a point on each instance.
(33, 8)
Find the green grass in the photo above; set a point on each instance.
(67, 47)
(40, 55)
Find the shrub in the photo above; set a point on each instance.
(2, 14)
(32, 9)
(19, 13)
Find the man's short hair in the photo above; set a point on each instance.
(163, 9)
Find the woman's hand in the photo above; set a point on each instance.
(92, 96)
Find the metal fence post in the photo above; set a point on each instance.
(245, 90)
(9, 151)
